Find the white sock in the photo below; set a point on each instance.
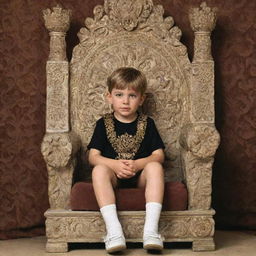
(109, 214)
(153, 211)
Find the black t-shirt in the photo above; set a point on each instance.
(151, 142)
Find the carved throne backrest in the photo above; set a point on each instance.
(134, 34)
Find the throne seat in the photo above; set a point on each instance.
(82, 198)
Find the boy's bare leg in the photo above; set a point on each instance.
(152, 178)
(104, 180)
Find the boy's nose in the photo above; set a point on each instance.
(126, 100)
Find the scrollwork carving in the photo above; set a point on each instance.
(121, 15)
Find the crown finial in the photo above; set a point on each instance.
(203, 19)
(57, 19)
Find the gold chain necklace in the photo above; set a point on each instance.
(125, 145)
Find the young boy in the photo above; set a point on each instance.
(127, 150)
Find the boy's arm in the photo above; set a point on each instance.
(120, 167)
(156, 156)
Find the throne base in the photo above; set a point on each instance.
(66, 226)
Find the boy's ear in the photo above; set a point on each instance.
(109, 97)
(143, 97)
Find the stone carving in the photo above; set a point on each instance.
(60, 182)
(139, 15)
(203, 21)
(57, 22)
(202, 227)
(200, 143)
(179, 98)
(57, 149)
(57, 97)
(201, 140)
(202, 93)
(171, 226)
(57, 19)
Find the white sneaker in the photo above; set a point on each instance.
(153, 242)
(114, 243)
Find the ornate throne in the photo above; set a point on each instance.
(180, 98)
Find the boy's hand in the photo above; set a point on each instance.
(123, 169)
(132, 165)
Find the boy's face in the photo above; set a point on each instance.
(125, 103)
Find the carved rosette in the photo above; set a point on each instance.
(202, 227)
(203, 21)
(57, 21)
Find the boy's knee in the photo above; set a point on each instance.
(101, 171)
(154, 170)
(154, 166)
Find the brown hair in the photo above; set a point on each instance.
(127, 77)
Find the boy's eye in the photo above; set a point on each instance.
(133, 95)
(118, 94)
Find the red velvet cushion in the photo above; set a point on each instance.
(131, 199)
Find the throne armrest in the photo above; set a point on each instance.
(199, 143)
(59, 150)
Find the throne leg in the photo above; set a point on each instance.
(206, 244)
(56, 247)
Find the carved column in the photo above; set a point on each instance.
(59, 144)
(202, 21)
(57, 21)
(200, 139)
